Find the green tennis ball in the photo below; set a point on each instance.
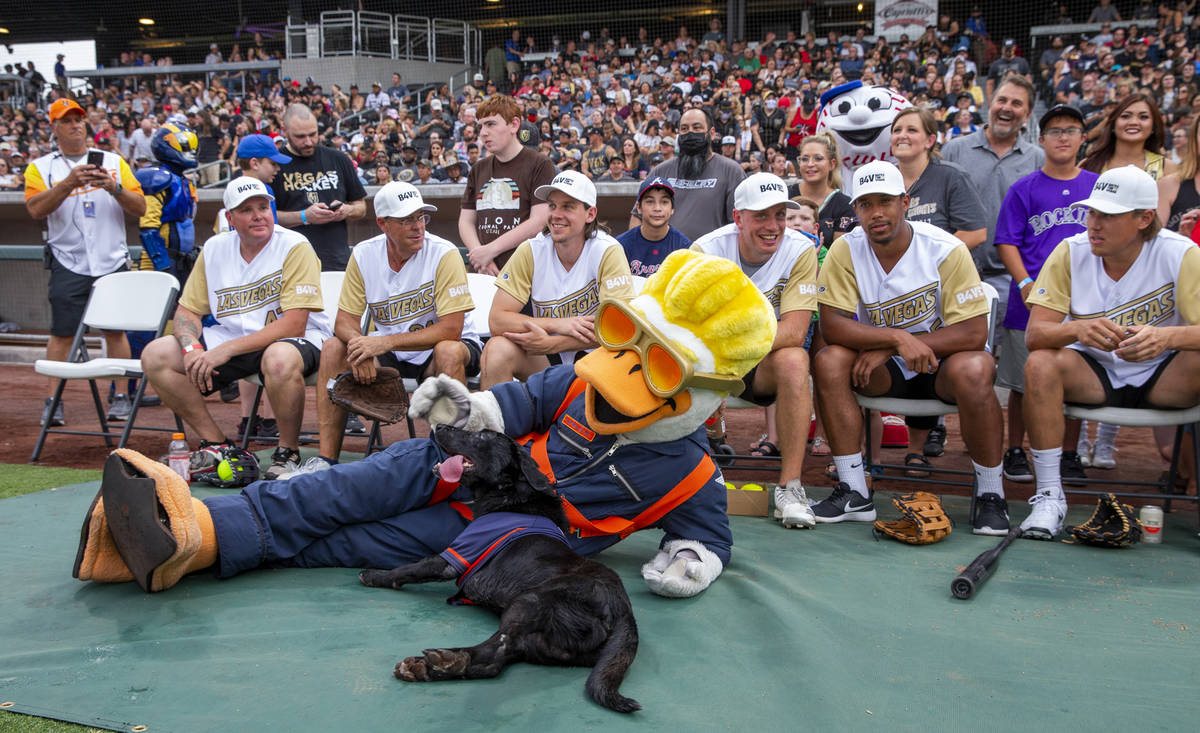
(729, 486)
(225, 471)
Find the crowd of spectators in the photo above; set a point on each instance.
(609, 106)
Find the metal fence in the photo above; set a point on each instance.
(382, 35)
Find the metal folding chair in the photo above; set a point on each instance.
(122, 301)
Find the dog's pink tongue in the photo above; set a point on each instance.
(451, 469)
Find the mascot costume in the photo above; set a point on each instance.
(619, 434)
(860, 118)
(168, 237)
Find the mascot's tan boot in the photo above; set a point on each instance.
(145, 526)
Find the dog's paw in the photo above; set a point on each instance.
(412, 669)
(379, 579)
(446, 663)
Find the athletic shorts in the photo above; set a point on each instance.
(246, 365)
(1010, 373)
(748, 392)
(1130, 396)
(409, 370)
(69, 293)
(919, 387)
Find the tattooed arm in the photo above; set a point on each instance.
(187, 327)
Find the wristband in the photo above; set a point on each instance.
(1021, 285)
(193, 347)
(304, 216)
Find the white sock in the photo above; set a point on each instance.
(988, 480)
(1107, 434)
(850, 472)
(1048, 471)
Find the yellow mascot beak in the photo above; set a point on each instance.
(617, 397)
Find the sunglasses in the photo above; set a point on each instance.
(665, 368)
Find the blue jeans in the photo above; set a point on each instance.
(370, 513)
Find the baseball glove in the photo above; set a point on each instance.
(1112, 524)
(922, 520)
(240, 469)
(384, 399)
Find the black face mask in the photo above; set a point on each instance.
(693, 143)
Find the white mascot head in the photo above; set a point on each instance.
(860, 119)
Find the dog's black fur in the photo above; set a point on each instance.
(556, 607)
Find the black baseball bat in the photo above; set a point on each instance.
(981, 568)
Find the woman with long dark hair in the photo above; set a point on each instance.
(1133, 134)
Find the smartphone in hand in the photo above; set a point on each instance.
(96, 158)
(335, 206)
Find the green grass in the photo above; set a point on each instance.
(16, 723)
(18, 479)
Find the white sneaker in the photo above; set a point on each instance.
(1102, 456)
(312, 465)
(792, 507)
(1084, 449)
(1045, 521)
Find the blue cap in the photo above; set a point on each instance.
(656, 182)
(261, 146)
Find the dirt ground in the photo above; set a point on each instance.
(1137, 457)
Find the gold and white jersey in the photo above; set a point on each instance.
(933, 285)
(245, 297)
(431, 283)
(788, 279)
(536, 277)
(1162, 288)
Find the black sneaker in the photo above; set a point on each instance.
(283, 460)
(935, 444)
(1016, 466)
(230, 392)
(354, 424)
(266, 429)
(844, 505)
(989, 515)
(1070, 467)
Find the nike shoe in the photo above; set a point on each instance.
(1102, 456)
(792, 506)
(120, 408)
(354, 424)
(1046, 519)
(57, 419)
(315, 464)
(1016, 466)
(990, 515)
(1070, 467)
(844, 505)
(283, 461)
(935, 444)
(265, 429)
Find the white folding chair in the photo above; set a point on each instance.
(1143, 418)
(122, 301)
(919, 408)
(331, 292)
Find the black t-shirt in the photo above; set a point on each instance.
(325, 176)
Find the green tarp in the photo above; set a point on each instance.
(819, 630)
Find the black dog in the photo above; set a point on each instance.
(556, 607)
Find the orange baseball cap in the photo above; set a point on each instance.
(60, 107)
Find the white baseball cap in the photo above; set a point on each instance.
(761, 191)
(572, 183)
(398, 199)
(729, 140)
(240, 189)
(1119, 190)
(878, 176)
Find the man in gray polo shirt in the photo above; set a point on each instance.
(997, 157)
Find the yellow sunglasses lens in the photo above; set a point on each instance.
(663, 372)
(616, 328)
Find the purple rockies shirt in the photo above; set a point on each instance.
(1036, 216)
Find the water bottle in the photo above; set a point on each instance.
(179, 456)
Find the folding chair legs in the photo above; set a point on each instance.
(100, 413)
(252, 422)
